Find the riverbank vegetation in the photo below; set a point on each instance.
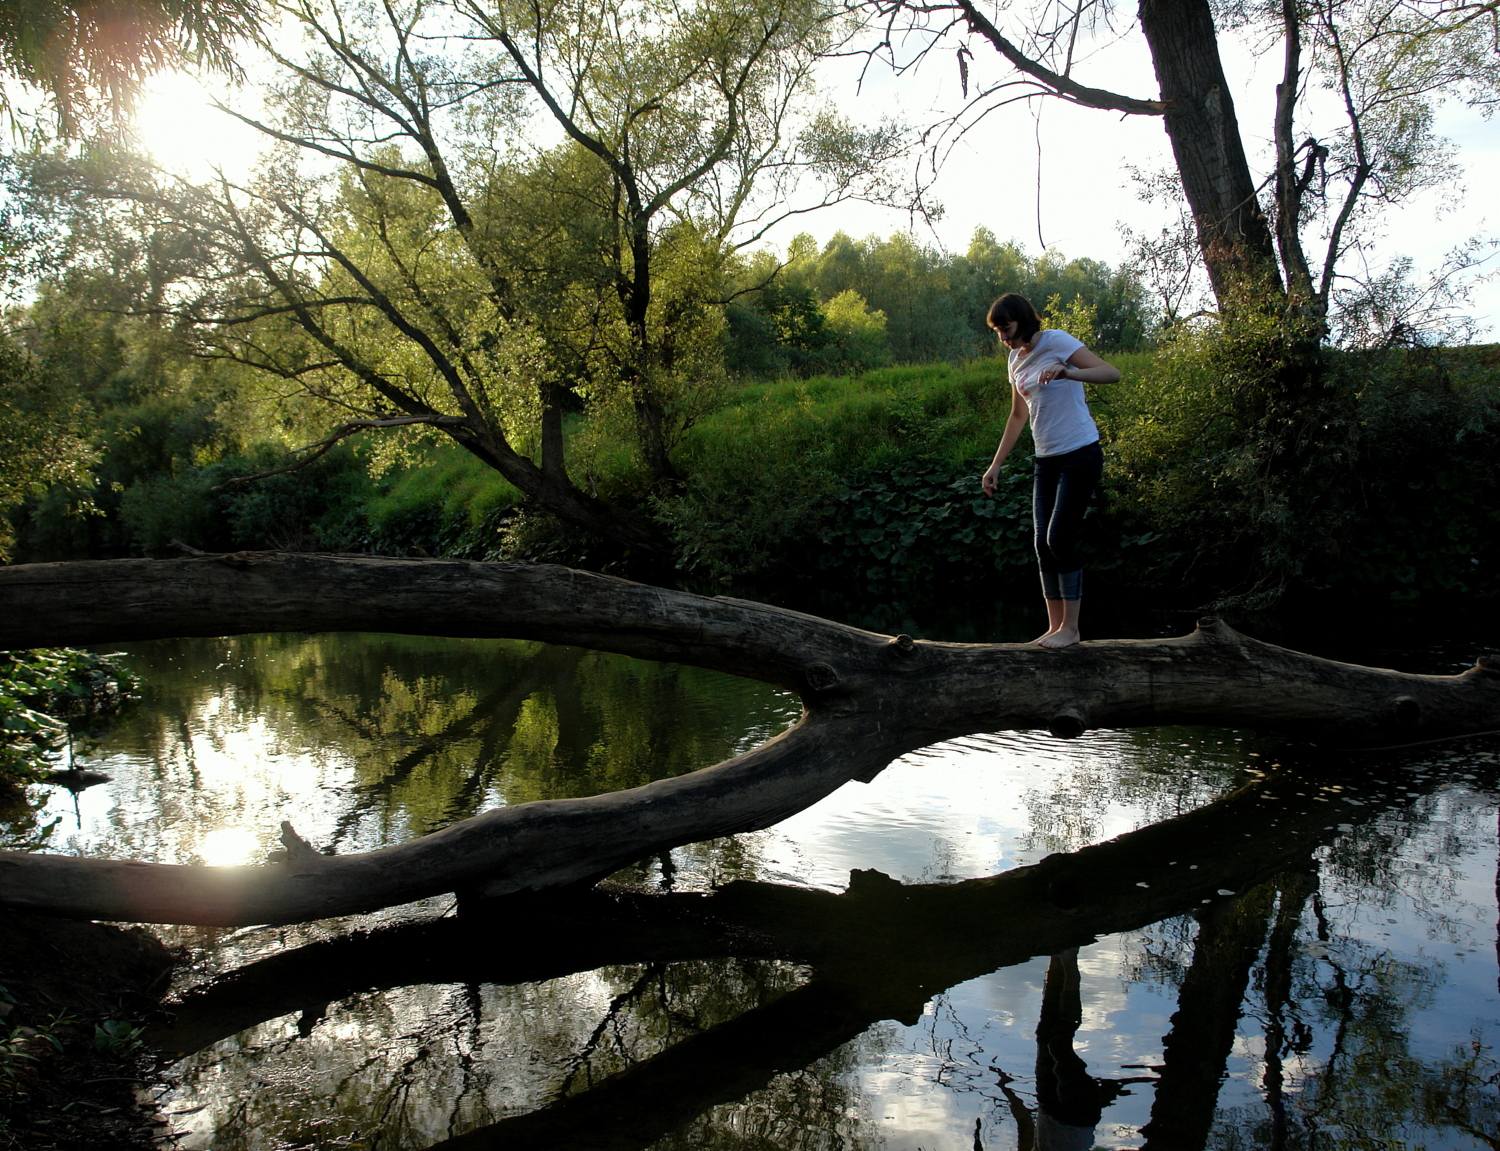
(48, 701)
(549, 328)
(867, 477)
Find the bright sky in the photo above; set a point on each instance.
(1047, 174)
(1054, 175)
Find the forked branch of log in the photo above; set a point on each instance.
(868, 698)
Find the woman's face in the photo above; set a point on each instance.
(1008, 337)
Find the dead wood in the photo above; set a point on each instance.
(868, 698)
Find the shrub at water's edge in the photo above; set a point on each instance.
(49, 699)
(1390, 493)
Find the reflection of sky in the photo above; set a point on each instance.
(959, 811)
(233, 775)
(1407, 897)
(967, 809)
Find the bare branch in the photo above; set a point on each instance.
(1056, 83)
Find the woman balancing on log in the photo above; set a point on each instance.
(1047, 372)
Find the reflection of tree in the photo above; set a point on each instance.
(1203, 1027)
(432, 731)
(879, 951)
(1285, 1035)
(1169, 770)
(1369, 1083)
(489, 721)
(1372, 1075)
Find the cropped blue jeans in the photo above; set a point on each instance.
(1063, 486)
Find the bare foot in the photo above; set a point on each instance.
(1062, 637)
(1045, 635)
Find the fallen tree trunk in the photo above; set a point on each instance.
(868, 698)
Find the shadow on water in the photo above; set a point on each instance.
(845, 962)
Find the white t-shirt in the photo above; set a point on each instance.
(1060, 420)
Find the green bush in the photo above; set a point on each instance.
(1364, 474)
(849, 476)
(449, 504)
(923, 521)
(757, 478)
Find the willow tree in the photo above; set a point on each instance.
(479, 217)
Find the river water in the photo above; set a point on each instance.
(1349, 999)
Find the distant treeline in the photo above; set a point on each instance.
(851, 305)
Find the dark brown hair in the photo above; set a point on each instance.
(1011, 307)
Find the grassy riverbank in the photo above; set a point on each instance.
(872, 480)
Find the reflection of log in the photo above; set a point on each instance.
(913, 940)
(869, 698)
(878, 951)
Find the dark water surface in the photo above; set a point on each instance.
(1347, 999)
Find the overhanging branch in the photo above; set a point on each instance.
(322, 447)
(1058, 84)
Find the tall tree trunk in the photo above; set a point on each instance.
(1233, 232)
(1196, 1051)
(1294, 890)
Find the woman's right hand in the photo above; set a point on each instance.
(990, 479)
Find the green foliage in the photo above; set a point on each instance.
(158, 431)
(1421, 489)
(42, 440)
(1366, 474)
(447, 505)
(46, 697)
(859, 332)
(548, 236)
(117, 1039)
(787, 479)
(91, 59)
(20, 1051)
(922, 520)
(776, 329)
(758, 477)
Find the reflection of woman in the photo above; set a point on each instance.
(1047, 372)
(1069, 1101)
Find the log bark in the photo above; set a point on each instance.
(868, 698)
